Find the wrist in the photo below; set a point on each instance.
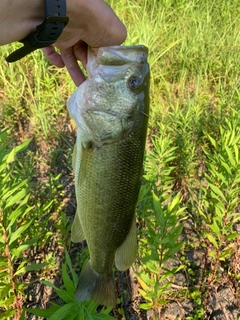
(46, 33)
(16, 23)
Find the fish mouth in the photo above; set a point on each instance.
(94, 107)
(115, 56)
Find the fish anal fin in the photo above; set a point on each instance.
(127, 252)
(77, 234)
(92, 285)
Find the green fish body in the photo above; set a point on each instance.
(111, 112)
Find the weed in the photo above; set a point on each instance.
(14, 199)
(161, 211)
(192, 160)
(71, 309)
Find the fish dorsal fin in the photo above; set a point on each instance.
(77, 234)
(127, 252)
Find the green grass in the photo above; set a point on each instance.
(192, 151)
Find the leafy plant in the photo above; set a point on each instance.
(217, 208)
(163, 214)
(14, 196)
(194, 59)
(71, 309)
(219, 204)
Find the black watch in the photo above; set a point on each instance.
(46, 33)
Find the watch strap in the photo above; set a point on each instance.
(46, 33)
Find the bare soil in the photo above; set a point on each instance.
(220, 293)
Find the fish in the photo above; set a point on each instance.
(111, 110)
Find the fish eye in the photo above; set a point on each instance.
(134, 82)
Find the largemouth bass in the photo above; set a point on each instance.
(111, 113)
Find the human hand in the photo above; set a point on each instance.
(91, 23)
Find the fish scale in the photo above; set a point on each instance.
(121, 181)
(108, 164)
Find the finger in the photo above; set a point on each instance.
(53, 56)
(80, 52)
(112, 33)
(70, 61)
(94, 22)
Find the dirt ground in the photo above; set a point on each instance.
(221, 298)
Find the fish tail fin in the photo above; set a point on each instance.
(92, 285)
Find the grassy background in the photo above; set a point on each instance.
(192, 147)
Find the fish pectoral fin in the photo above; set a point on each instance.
(77, 234)
(74, 157)
(127, 252)
(82, 169)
